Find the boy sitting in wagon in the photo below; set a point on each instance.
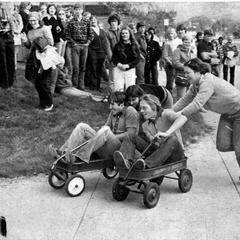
(121, 121)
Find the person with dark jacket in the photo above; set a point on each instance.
(141, 40)
(56, 27)
(98, 49)
(153, 55)
(113, 37)
(230, 52)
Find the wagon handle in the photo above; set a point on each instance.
(74, 149)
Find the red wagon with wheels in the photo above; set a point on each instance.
(148, 181)
(66, 174)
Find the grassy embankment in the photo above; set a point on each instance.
(26, 131)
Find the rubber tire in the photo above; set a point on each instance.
(52, 175)
(158, 180)
(70, 182)
(185, 180)
(110, 176)
(119, 192)
(151, 195)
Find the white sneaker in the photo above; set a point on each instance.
(48, 109)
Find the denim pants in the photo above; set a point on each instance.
(168, 152)
(79, 59)
(103, 142)
(140, 72)
(151, 70)
(96, 61)
(42, 85)
(232, 73)
(7, 60)
(170, 77)
(228, 137)
(68, 61)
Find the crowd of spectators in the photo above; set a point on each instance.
(71, 52)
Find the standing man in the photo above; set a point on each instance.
(113, 36)
(7, 51)
(230, 52)
(205, 49)
(220, 54)
(140, 38)
(80, 35)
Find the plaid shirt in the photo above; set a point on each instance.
(79, 31)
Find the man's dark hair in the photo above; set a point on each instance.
(114, 16)
(117, 97)
(134, 91)
(198, 66)
(152, 29)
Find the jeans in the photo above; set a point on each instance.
(96, 61)
(151, 69)
(79, 59)
(68, 61)
(61, 47)
(7, 60)
(140, 72)
(170, 77)
(232, 73)
(123, 79)
(103, 142)
(43, 88)
(168, 152)
(228, 137)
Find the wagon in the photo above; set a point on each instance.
(148, 181)
(64, 174)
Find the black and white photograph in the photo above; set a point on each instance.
(120, 120)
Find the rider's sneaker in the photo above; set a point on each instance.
(120, 161)
(55, 152)
(69, 157)
(139, 164)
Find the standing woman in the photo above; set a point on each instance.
(215, 94)
(182, 54)
(24, 11)
(126, 55)
(32, 73)
(56, 27)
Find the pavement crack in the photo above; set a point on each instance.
(85, 210)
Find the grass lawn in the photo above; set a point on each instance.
(26, 131)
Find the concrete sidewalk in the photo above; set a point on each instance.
(210, 211)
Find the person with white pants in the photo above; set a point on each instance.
(126, 55)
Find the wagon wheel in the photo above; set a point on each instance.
(119, 192)
(57, 178)
(151, 195)
(157, 180)
(110, 172)
(75, 185)
(185, 180)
